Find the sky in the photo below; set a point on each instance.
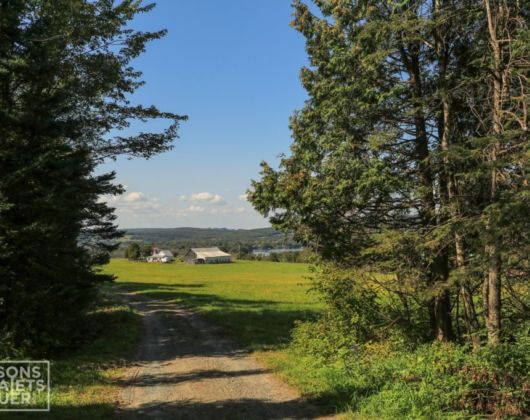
(233, 68)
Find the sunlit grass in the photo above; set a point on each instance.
(257, 302)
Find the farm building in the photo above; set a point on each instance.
(206, 256)
(161, 255)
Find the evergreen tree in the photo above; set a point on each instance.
(503, 109)
(146, 250)
(65, 77)
(386, 172)
(133, 251)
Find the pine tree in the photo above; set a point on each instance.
(503, 110)
(65, 78)
(360, 184)
(386, 173)
(133, 251)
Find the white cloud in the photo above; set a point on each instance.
(208, 198)
(205, 209)
(222, 210)
(195, 209)
(217, 199)
(134, 196)
(133, 203)
(202, 196)
(243, 197)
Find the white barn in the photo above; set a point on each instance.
(206, 256)
(161, 255)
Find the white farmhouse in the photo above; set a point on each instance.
(206, 256)
(161, 255)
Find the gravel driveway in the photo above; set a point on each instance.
(187, 369)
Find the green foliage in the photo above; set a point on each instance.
(408, 176)
(303, 256)
(133, 251)
(65, 76)
(85, 382)
(393, 380)
(55, 282)
(498, 378)
(352, 305)
(146, 250)
(399, 164)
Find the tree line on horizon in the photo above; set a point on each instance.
(139, 251)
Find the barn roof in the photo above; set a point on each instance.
(164, 253)
(209, 252)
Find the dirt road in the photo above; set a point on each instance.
(187, 369)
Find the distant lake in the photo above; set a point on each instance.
(267, 252)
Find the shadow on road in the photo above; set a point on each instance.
(259, 324)
(247, 409)
(188, 368)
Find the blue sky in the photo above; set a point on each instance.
(232, 67)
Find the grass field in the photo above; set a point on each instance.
(257, 302)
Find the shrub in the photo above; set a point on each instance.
(393, 379)
(498, 380)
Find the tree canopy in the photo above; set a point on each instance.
(66, 81)
(409, 162)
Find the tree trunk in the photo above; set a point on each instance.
(485, 298)
(493, 319)
(440, 307)
(442, 310)
(448, 197)
(494, 295)
(470, 314)
(445, 131)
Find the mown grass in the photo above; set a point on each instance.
(85, 383)
(257, 302)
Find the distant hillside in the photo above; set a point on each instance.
(181, 237)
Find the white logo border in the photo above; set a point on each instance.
(47, 409)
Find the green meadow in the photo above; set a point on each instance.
(257, 302)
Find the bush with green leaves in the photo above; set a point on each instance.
(393, 379)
